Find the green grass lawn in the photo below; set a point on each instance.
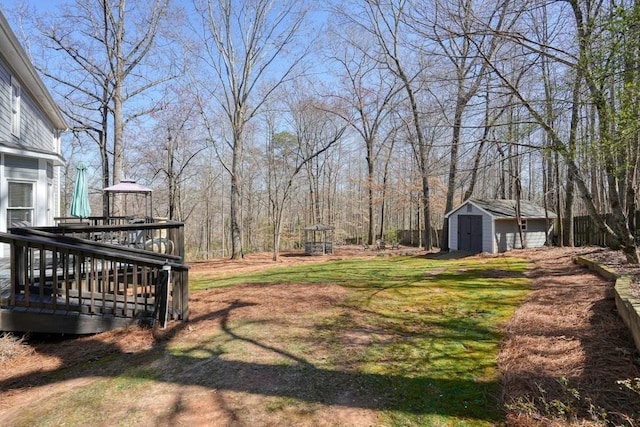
(432, 329)
(392, 341)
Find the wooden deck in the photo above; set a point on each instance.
(55, 282)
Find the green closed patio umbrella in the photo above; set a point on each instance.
(80, 198)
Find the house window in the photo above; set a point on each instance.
(20, 208)
(15, 107)
(523, 224)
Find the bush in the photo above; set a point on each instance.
(12, 346)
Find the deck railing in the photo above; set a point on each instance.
(55, 272)
(141, 233)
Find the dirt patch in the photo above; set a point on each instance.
(567, 329)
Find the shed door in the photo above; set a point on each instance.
(470, 233)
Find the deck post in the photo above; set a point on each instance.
(166, 290)
(18, 270)
(181, 295)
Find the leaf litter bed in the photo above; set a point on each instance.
(564, 354)
(567, 352)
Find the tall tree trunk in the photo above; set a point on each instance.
(118, 82)
(488, 124)
(383, 196)
(171, 182)
(461, 102)
(607, 115)
(568, 238)
(370, 194)
(558, 198)
(236, 193)
(104, 154)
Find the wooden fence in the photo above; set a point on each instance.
(586, 232)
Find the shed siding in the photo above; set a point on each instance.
(453, 232)
(469, 209)
(507, 236)
(487, 240)
(537, 231)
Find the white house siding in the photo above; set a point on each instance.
(469, 209)
(507, 236)
(36, 131)
(33, 158)
(5, 104)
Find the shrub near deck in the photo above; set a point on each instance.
(418, 336)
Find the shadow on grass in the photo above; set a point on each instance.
(296, 378)
(449, 255)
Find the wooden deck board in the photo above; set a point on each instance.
(85, 305)
(5, 281)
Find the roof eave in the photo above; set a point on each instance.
(452, 211)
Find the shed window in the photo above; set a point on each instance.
(469, 208)
(523, 224)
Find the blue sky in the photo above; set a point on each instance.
(39, 5)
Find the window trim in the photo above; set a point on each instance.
(16, 101)
(31, 209)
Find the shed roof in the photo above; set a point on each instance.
(319, 227)
(506, 208)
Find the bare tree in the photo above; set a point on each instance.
(173, 154)
(109, 44)
(609, 59)
(491, 116)
(126, 45)
(370, 93)
(316, 131)
(245, 45)
(452, 26)
(386, 22)
(606, 62)
(318, 126)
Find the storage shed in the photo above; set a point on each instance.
(492, 226)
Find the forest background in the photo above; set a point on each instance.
(252, 119)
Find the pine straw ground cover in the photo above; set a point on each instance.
(567, 358)
(316, 348)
